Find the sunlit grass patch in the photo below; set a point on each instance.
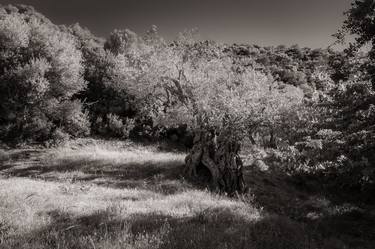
(129, 167)
(114, 153)
(48, 211)
(107, 163)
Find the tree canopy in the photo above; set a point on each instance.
(41, 70)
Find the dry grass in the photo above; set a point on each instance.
(40, 214)
(96, 194)
(28, 207)
(114, 153)
(112, 164)
(51, 198)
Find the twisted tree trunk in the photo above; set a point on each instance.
(219, 155)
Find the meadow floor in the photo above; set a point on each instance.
(107, 194)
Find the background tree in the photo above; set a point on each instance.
(360, 24)
(40, 72)
(356, 100)
(340, 147)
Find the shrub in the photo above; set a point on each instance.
(58, 137)
(73, 119)
(118, 127)
(40, 72)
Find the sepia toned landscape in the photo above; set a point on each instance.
(144, 139)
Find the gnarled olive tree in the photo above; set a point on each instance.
(194, 83)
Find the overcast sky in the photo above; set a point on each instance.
(264, 22)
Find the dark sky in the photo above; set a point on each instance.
(264, 22)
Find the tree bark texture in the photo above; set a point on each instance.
(219, 155)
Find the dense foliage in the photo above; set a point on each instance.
(40, 72)
(335, 133)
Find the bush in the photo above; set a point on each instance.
(58, 137)
(40, 72)
(118, 127)
(73, 119)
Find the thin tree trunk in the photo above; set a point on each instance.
(219, 155)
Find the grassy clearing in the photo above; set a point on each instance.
(100, 194)
(93, 194)
(40, 214)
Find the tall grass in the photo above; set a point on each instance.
(93, 194)
(114, 153)
(39, 214)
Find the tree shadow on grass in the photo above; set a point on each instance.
(350, 224)
(163, 176)
(356, 230)
(10, 158)
(212, 228)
